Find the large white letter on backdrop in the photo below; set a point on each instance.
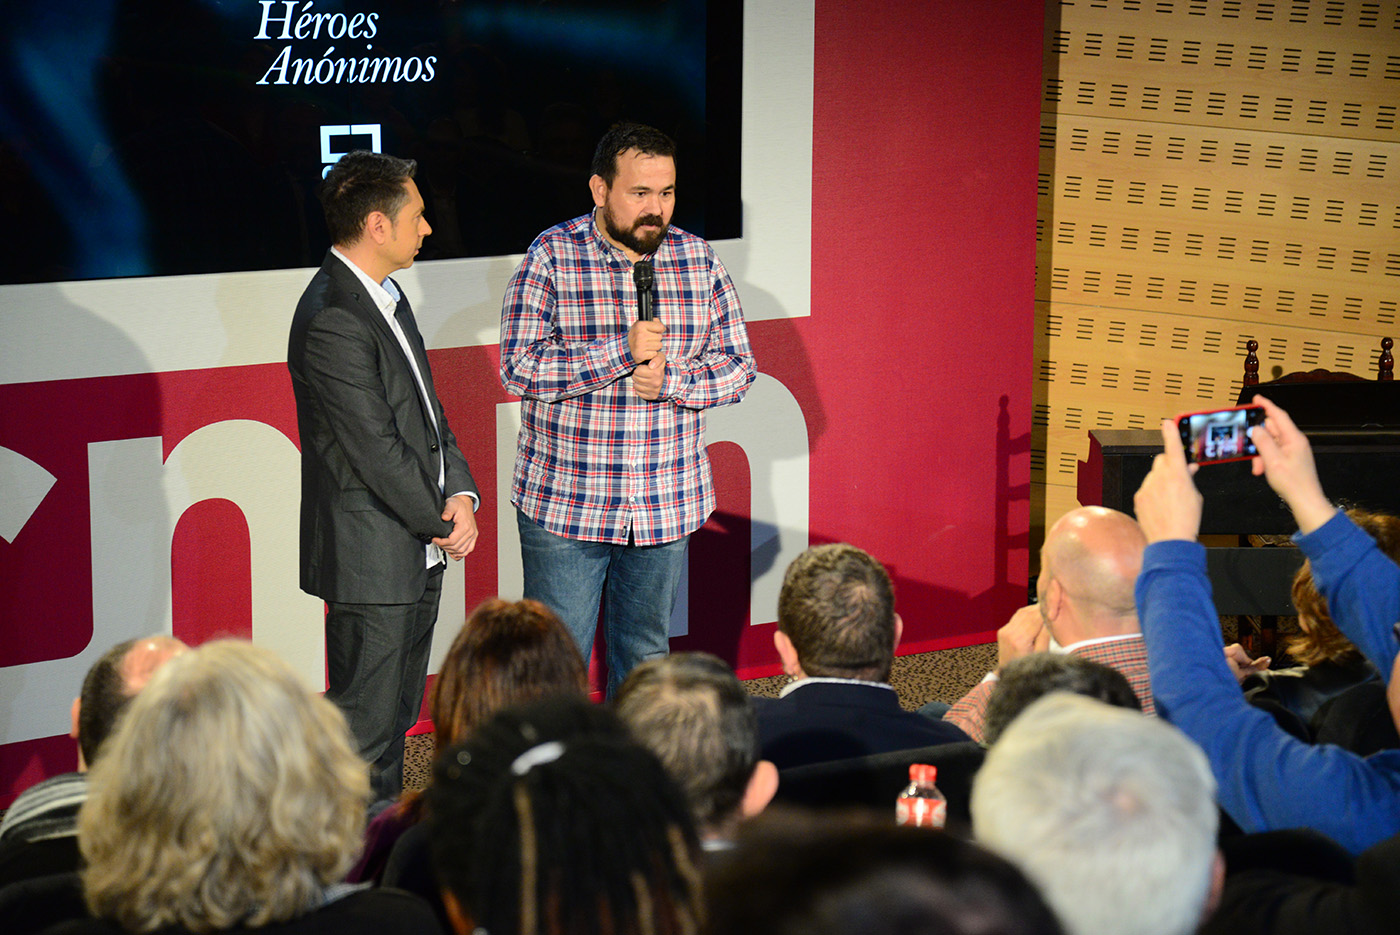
(768, 425)
(137, 501)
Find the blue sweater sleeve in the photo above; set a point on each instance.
(1267, 779)
(1361, 584)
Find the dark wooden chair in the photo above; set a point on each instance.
(1385, 371)
(875, 780)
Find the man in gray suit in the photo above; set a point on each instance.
(386, 494)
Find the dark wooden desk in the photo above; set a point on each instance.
(1356, 469)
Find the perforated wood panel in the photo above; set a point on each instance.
(1211, 171)
(1320, 67)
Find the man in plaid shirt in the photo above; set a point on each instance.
(1084, 606)
(611, 475)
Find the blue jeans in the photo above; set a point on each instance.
(569, 577)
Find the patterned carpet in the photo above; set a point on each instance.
(944, 675)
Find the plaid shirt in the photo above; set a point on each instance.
(595, 461)
(1128, 655)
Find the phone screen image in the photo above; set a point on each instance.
(1223, 435)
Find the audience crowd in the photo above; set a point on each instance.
(217, 792)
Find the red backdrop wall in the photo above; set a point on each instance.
(914, 369)
(913, 372)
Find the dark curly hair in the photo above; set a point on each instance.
(551, 820)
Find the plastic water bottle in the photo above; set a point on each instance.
(921, 804)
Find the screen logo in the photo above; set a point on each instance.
(337, 139)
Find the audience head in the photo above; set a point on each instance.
(1088, 566)
(111, 683)
(836, 615)
(1110, 813)
(507, 653)
(551, 819)
(1025, 679)
(691, 711)
(1318, 639)
(229, 795)
(360, 184)
(833, 873)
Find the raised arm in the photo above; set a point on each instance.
(1267, 778)
(1286, 461)
(1361, 584)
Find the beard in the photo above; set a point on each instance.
(630, 238)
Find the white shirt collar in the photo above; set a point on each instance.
(1117, 638)
(814, 680)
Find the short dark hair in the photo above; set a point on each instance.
(624, 136)
(1025, 679)
(837, 607)
(551, 818)
(506, 653)
(690, 710)
(359, 184)
(104, 697)
(849, 873)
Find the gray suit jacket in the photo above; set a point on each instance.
(369, 453)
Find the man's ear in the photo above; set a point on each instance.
(461, 921)
(599, 187)
(378, 227)
(898, 630)
(1217, 886)
(787, 653)
(763, 785)
(1054, 597)
(76, 714)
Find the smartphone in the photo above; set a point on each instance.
(1219, 435)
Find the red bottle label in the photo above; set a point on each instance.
(921, 812)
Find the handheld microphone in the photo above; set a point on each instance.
(643, 276)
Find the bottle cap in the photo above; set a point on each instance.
(924, 774)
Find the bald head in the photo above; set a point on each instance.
(146, 656)
(113, 681)
(1092, 555)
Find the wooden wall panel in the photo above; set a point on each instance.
(1211, 171)
(1321, 67)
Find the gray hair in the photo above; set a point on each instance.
(690, 710)
(1112, 814)
(229, 795)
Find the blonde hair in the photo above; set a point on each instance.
(229, 796)
(1319, 640)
